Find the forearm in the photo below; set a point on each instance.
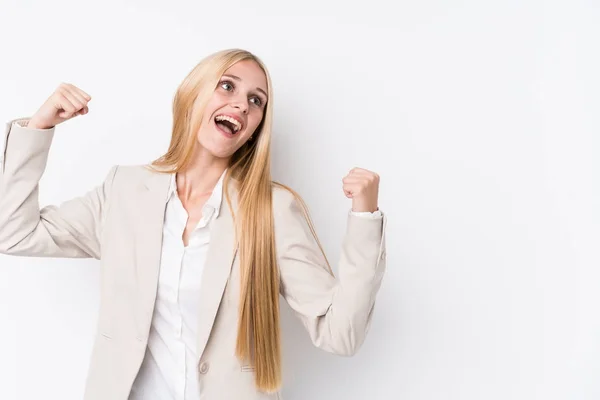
(344, 326)
(23, 164)
(335, 311)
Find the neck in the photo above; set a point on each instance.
(201, 176)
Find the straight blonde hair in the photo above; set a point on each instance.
(258, 338)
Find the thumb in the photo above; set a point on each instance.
(67, 114)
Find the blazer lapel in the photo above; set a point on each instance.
(148, 247)
(221, 254)
(152, 203)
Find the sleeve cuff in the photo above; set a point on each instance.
(367, 214)
(24, 123)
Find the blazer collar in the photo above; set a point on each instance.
(148, 245)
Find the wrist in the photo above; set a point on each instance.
(365, 209)
(34, 124)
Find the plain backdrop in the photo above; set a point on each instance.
(480, 116)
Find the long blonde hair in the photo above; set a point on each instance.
(258, 339)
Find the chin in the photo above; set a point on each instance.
(222, 154)
(217, 151)
(212, 141)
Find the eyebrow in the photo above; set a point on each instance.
(237, 78)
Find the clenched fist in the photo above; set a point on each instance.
(362, 186)
(66, 102)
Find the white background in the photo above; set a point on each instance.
(480, 116)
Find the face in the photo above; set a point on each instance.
(235, 110)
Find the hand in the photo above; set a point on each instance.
(362, 186)
(66, 102)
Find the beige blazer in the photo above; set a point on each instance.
(120, 222)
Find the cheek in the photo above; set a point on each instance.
(215, 103)
(204, 126)
(254, 121)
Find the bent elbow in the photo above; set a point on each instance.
(344, 343)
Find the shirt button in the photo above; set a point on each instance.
(204, 368)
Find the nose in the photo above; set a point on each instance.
(241, 103)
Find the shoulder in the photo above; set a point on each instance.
(282, 194)
(284, 197)
(291, 217)
(132, 174)
(125, 178)
(137, 172)
(288, 205)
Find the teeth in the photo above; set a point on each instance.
(236, 124)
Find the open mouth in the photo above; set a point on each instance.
(228, 124)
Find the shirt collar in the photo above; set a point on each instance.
(213, 201)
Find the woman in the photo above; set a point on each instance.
(197, 246)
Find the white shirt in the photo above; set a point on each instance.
(169, 370)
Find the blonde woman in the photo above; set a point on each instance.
(197, 246)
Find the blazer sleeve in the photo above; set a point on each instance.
(69, 230)
(337, 313)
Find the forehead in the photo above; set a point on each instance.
(250, 73)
